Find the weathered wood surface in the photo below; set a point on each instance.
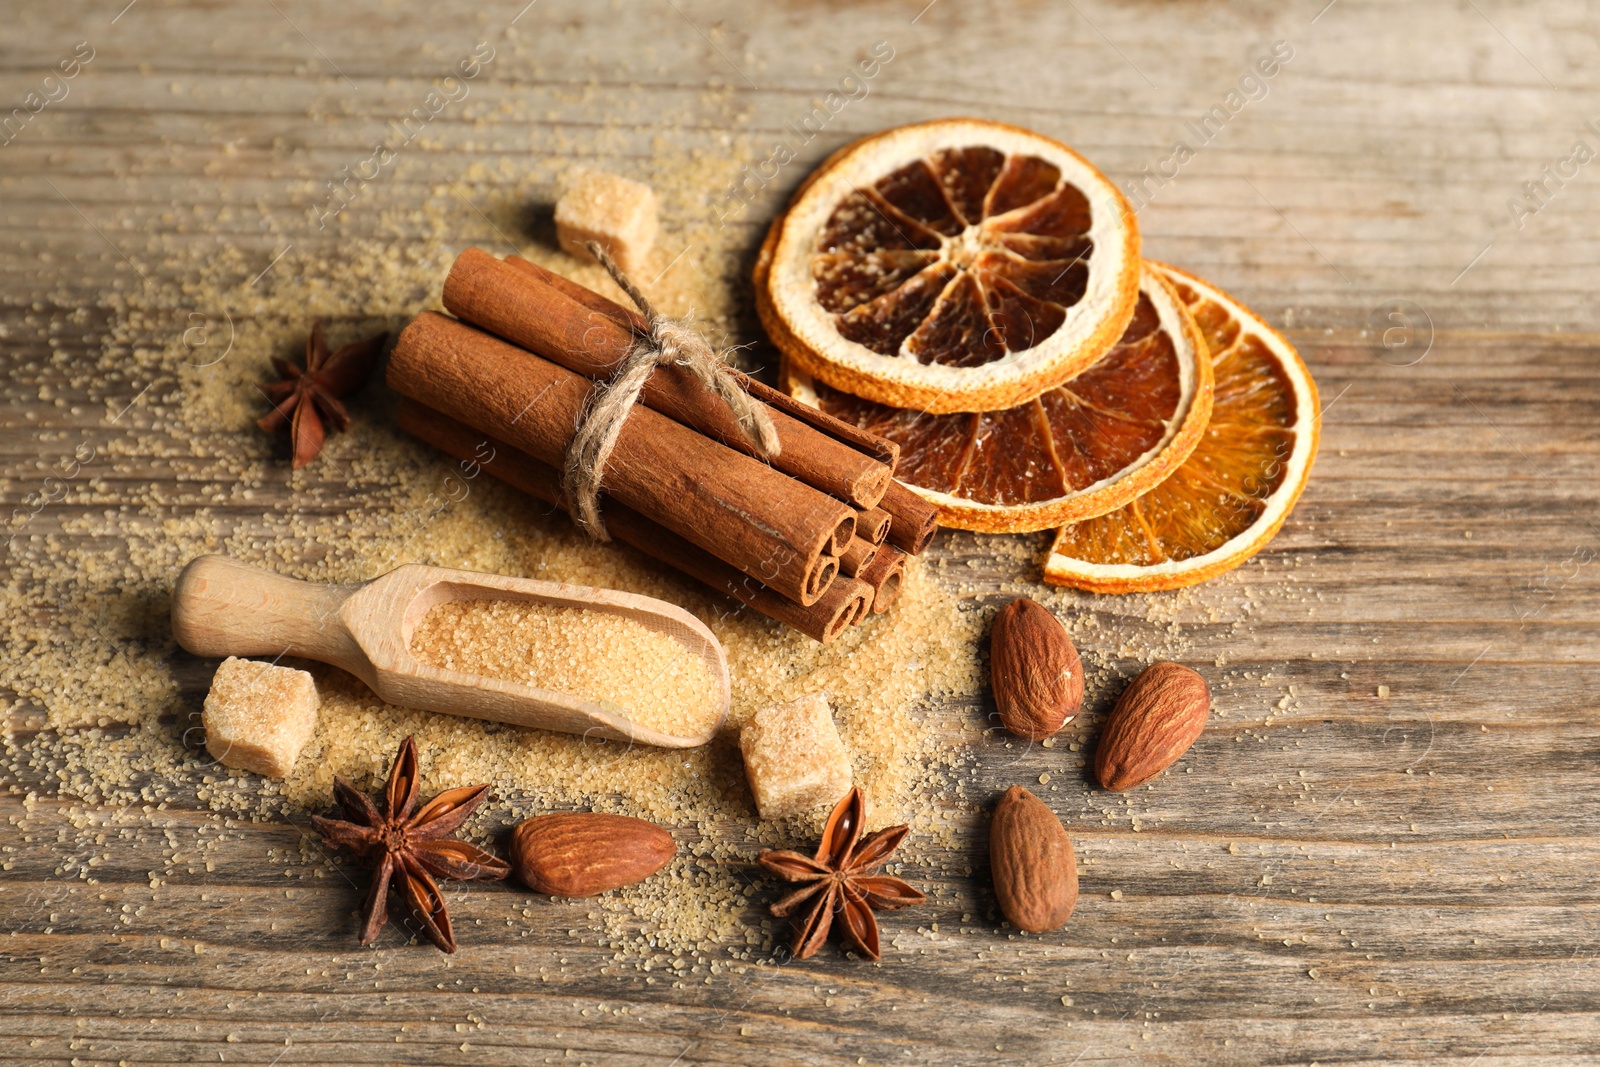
(1350, 879)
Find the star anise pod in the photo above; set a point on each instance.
(840, 879)
(410, 847)
(307, 401)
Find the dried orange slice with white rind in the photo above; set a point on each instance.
(1086, 447)
(955, 265)
(1230, 497)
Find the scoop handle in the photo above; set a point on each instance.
(222, 607)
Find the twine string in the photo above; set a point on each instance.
(668, 341)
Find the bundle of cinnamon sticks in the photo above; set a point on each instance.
(815, 537)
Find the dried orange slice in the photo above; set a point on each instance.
(1081, 449)
(1232, 494)
(957, 265)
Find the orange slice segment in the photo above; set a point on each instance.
(957, 265)
(1233, 493)
(1081, 449)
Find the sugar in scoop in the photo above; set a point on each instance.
(620, 664)
(596, 662)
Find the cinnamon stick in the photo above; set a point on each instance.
(885, 575)
(826, 570)
(914, 519)
(839, 605)
(848, 600)
(864, 605)
(873, 525)
(768, 525)
(842, 540)
(857, 556)
(882, 449)
(567, 324)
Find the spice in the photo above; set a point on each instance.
(873, 524)
(306, 400)
(258, 716)
(840, 605)
(577, 328)
(706, 493)
(619, 663)
(840, 879)
(884, 573)
(856, 555)
(410, 846)
(913, 521)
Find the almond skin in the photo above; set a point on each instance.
(1034, 670)
(1035, 872)
(1156, 719)
(579, 854)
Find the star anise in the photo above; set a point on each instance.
(839, 879)
(410, 847)
(307, 401)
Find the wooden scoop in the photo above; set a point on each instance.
(221, 607)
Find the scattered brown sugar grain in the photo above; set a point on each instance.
(619, 663)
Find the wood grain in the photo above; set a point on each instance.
(1342, 879)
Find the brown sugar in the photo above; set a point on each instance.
(794, 759)
(617, 662)
(617, 213)
(259, 716)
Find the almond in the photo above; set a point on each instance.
(1034, 670)
(579, 854)
(1035, 872)
(1156, 719)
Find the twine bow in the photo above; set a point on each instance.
(669, 341)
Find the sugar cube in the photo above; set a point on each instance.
(794, 759)
(617, 213)
(259, 716)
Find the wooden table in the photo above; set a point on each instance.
(1350, 877)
